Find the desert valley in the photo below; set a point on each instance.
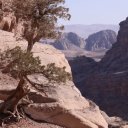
(54, 78)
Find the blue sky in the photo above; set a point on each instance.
(97, 11)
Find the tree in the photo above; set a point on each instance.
(25, 64)
(39, 18)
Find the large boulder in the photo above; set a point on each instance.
(107, 84)
(47, 53)
(62, 103)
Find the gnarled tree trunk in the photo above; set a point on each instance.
(9, 106)
(30, 46)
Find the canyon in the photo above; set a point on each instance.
(62, 104)
(106, 82)
(103, 82)
(95, 46)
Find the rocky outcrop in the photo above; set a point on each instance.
(62, 103)
(95, 46)
(69, 41)
(115, 122)
(85, 30)
(47, 53)
(107, 84)
(100, 40)
(115, 59)
(64, 106)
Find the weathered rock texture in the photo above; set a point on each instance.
(115, 122)
(47, 53)
(62, 103)
(64, 106)
(69, 41)
(100, 40)
(94, 46)
(107, 84)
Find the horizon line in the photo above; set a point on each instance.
(91, 24)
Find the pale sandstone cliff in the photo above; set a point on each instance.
(64, 105)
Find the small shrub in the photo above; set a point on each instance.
(18, 62)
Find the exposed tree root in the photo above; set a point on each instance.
(12, 106)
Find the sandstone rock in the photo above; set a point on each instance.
(101, 40)
(47, 53)
(62, 103)
(125, 126)
(69, 41)
(114, 122)
(64, 106)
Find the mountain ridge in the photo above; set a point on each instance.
(85, 30)
(106, 82)
(100, 40)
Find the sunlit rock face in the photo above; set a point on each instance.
(62, 103)
(47, 53)
(69, 41)
(100, 40)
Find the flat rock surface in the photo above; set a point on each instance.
(62, 103)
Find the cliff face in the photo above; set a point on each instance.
(107, 84)
(69, 41)
(47, 53)
(85, 30)
(62, 103)
(100, 40)
(115, 59)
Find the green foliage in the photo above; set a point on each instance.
(39, 17)
(23, 63)
(54, 73)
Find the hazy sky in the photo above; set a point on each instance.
(97, 11)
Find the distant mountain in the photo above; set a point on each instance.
(100, 40)
(85, 30)
(69, 41)
(73, 45)
(106, 82)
